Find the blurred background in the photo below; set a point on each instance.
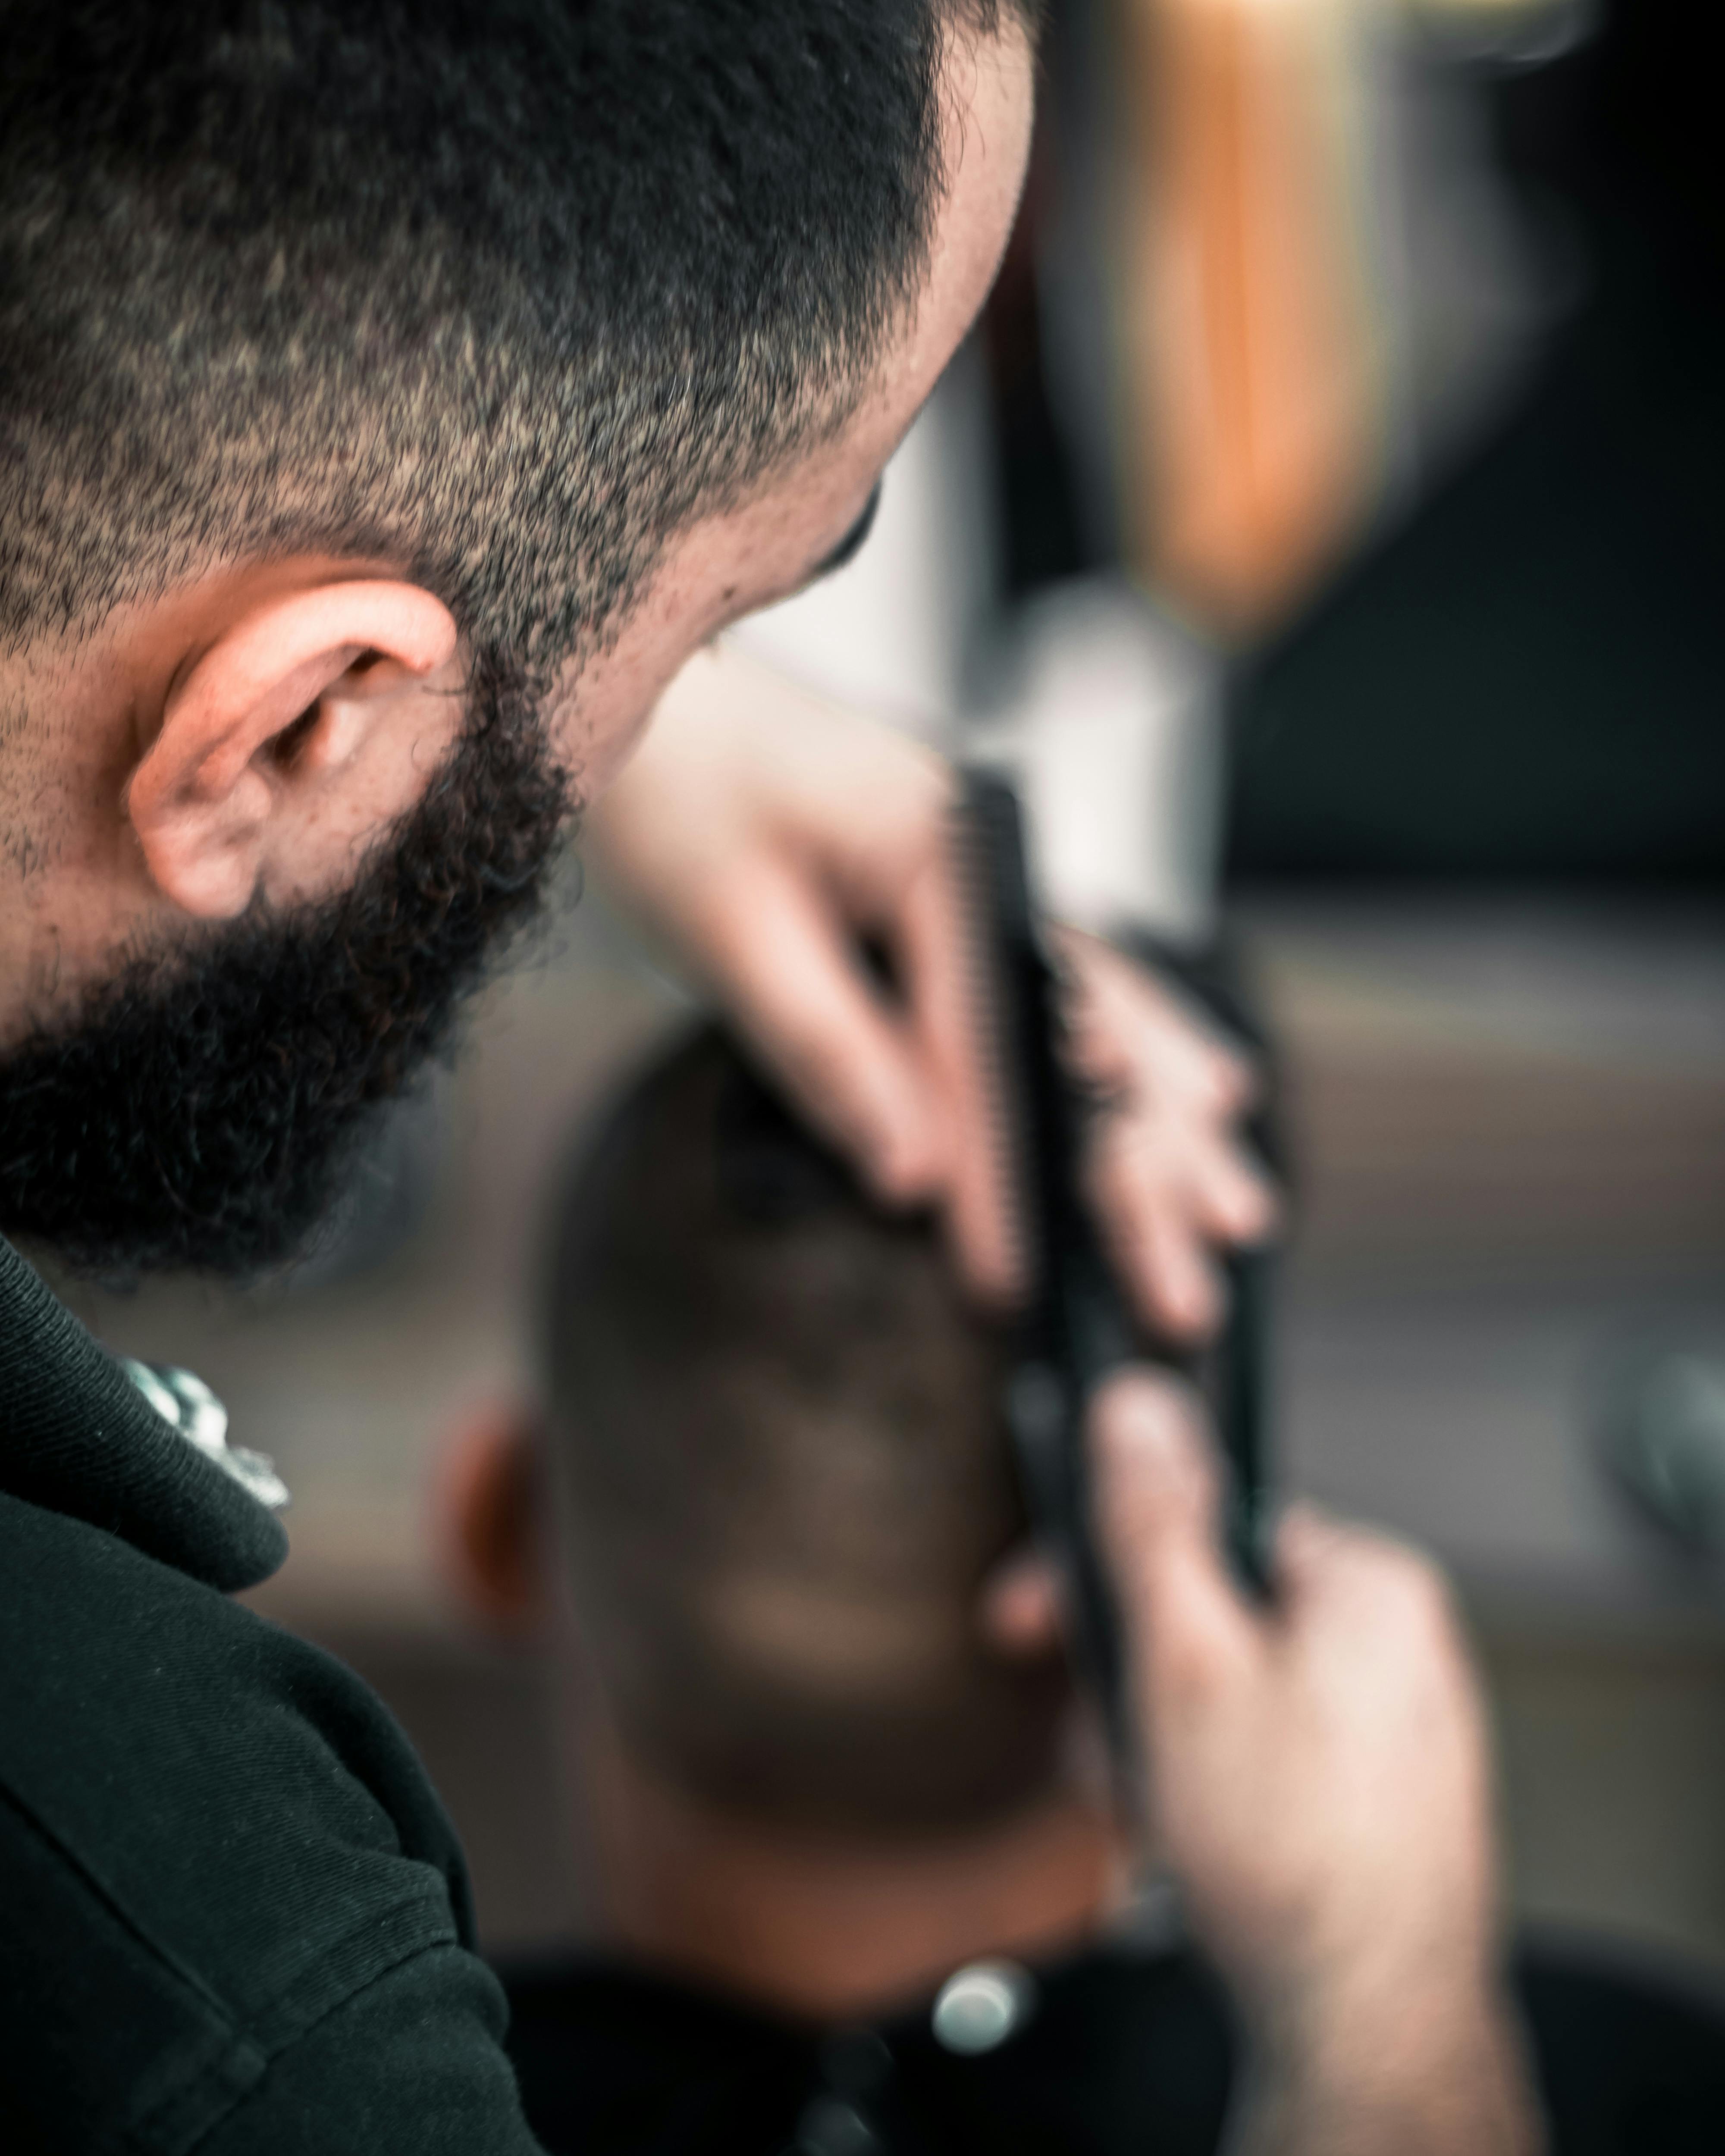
(1325, 521)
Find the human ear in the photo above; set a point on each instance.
(488, 1518)
(308, 673)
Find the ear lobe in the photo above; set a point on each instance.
(203, 798)
(489, 1529)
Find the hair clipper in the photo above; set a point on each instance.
(1076, 1325)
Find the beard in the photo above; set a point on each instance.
(203, 1109)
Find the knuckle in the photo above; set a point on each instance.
(1416, 1593)
(1229, 1079)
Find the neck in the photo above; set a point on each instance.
(830, 1927)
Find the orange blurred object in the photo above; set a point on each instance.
(1254, 401)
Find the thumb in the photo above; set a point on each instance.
(1156, 1504)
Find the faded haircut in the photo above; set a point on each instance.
(505, 290)
(783, 1469)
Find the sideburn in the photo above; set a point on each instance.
(203, 1109)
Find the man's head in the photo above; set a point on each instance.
(783, 1474)
(395, 389)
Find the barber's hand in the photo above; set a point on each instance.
(763, 834)
(1318, 1781)
(1168, 1176)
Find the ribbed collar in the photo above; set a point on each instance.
(76, 1436)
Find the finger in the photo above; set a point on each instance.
(1020, 1613)
(1146, 1218)
(1158, 1494)
(852, 1065)
(1317, 1543)
(1230, 1197)
(1340, 1581)
(939, 964)
(1169, 1176)
(1182, 1287)
(1164, 1207)
(1125, 1022)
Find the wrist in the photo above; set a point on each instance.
(1408, 2062)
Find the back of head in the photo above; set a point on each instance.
(785, 1471)
(503, 290)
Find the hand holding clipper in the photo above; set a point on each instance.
(1076, 1325)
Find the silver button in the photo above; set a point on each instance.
(181, 1398)
(982, 2005)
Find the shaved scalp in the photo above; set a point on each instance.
(505, 290)
(785, 1470)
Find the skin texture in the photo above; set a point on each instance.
(148, 787)
(1320, 1784)
(827, 1925)
(204, 798)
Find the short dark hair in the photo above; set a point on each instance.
(784, 1468)
(507, 289)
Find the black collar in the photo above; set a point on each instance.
(76, 1436)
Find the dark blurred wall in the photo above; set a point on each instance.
(1527, 676)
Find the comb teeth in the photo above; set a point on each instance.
(1066, 1329)
(985, 817)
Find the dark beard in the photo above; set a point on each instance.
(202, 1111)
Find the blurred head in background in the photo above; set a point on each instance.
(783, 1498)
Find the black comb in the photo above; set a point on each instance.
(1077, 1324)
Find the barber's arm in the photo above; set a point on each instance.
(1318, 1780)
(763, 832)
